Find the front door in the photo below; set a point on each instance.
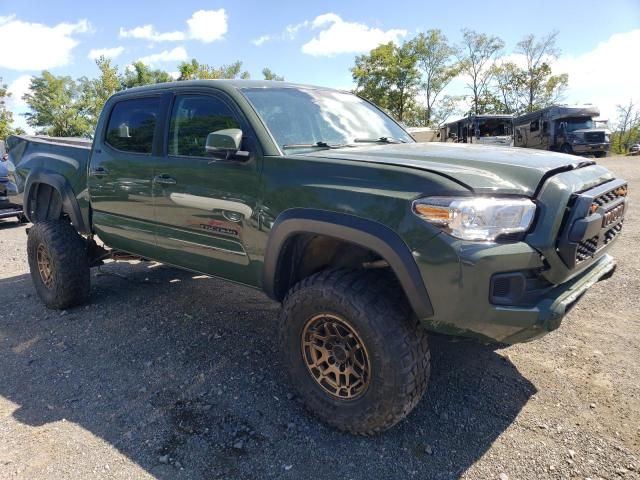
(121, 173)
(207, 205)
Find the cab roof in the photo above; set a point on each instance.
(222, 84)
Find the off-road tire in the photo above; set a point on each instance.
(375, 307)
(69, 281)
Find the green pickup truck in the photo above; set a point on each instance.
(321, 200)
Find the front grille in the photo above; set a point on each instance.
(612, 233)
(593, 220)
(586, 249)
(610, 196)
(594, 137)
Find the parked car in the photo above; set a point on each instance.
(10, 204)
(635, 149)
(325, 203)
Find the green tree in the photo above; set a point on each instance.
(140, 74)
(627, 127)
(6, 116)
(477, 55)
(507, 96)
(197, 71)
(269, 75)
(540, 87)
(435, 62)
(97, 91)
(388, 76)
(58, 107)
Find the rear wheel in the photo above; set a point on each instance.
(58, 263)
(356, 355)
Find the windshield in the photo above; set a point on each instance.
(298, 116)
(578, 123)
(494, 127)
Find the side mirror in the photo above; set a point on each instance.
(123, 131)
(224, 141)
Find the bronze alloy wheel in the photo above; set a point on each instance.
(44, 266)
(336, 356)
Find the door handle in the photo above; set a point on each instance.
(98, 172)
(164, 180)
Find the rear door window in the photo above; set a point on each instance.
(132, 124)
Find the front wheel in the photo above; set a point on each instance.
(566, 148)
(58, 263)
(356, 355)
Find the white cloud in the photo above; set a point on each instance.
(178, 54)
(262, 39)
(35, 46)
(208, 25)
(114, 52)
(17, 89)
(204, 25)
(148, 32)
(292, 30)
(604, 76)
(337, 36)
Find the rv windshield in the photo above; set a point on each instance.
(578, 123)
(494, 127)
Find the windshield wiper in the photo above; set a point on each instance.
(313, 145)
(379, 140)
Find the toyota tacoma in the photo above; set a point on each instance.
(368, 239)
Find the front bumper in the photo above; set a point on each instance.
(548, 313)
(586, 148)
(462, 302)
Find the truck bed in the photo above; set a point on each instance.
(32, 155)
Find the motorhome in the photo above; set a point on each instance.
(562, 128)
(482, 129)
(424, 134)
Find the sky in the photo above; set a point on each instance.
(311, 42)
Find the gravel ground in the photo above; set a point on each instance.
(170, 375)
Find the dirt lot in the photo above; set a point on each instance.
(170, 375)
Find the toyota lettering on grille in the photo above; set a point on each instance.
(612, 215)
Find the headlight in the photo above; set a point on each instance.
(477, 218)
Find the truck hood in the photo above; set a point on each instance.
(481, 168)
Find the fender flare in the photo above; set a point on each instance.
(70, 204)
(359, 231)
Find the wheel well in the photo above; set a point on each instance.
(44, 203)
(304, 254)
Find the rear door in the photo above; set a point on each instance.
(207, 206)
(121, 171)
